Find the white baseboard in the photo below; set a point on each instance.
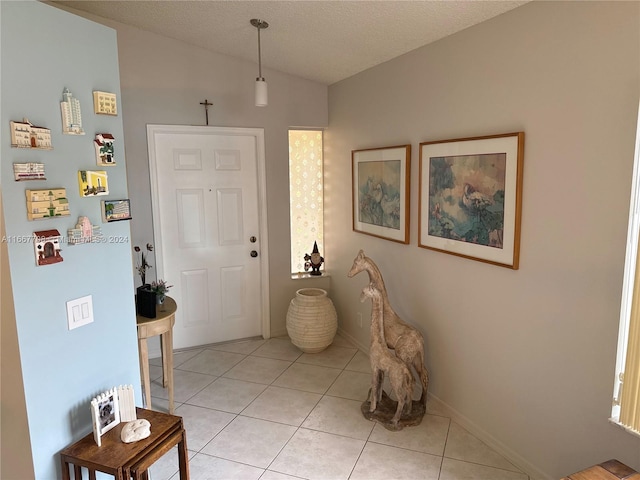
(477, 431)
(279, 333)
(356, 343)
(481, 434)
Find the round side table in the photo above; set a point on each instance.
(149, 327)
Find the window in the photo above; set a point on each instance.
(626, 402)
(305, 194)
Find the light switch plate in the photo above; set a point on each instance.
(80, 312)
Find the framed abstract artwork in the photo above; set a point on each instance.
(381, 189)
(471, 197)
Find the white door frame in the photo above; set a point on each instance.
(258, 134)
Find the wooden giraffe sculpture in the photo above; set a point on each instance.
(384, 362)
(400, 336)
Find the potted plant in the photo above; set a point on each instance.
(141, 262)
(145, 298)
(160, 289)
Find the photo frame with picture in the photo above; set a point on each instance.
(381, 192)
(115, 210)
(105, 412)
(471, 197)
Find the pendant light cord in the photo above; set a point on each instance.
(259, 57)
(259, 24)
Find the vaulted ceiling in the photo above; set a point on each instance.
(325, 41)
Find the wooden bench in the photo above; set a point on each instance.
(609, 470)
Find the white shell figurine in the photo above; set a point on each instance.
(136, 430)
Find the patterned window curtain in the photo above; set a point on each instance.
(305, 194)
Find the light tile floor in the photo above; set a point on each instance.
(264, 410)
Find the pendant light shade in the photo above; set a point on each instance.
(261, 84)
(262, 97)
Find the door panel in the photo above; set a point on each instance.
(194, 303)
(190, 211)
(230, 219)
(233, 294)
(206, 193)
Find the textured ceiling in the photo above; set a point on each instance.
(325, 41)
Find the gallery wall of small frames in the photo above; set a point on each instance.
(51, 202)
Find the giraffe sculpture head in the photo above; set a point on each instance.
(359, 264)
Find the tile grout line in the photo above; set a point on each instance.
(297, 427)
(322, 396)
(444, 449)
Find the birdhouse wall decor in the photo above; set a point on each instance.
(103, 144)
(47, 247)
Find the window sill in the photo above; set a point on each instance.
(305, 275)
(614, 421)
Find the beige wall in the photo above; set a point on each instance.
(163, 81)
(525, 359)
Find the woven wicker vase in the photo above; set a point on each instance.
(312, 321)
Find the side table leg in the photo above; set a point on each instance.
(144, 370)
(183, 458)
(65, 470)
(163, 353)
(167, 342)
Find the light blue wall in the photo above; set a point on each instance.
(43, 51)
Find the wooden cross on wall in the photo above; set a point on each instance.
(206, 109)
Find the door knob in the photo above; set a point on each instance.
(254, 254)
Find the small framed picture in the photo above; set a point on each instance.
(105, 412)
(115, 210)
(381, 192)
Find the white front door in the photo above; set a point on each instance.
(209, 214)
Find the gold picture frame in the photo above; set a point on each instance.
(381, 180)
(471, 197)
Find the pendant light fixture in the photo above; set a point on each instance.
(261, 84)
